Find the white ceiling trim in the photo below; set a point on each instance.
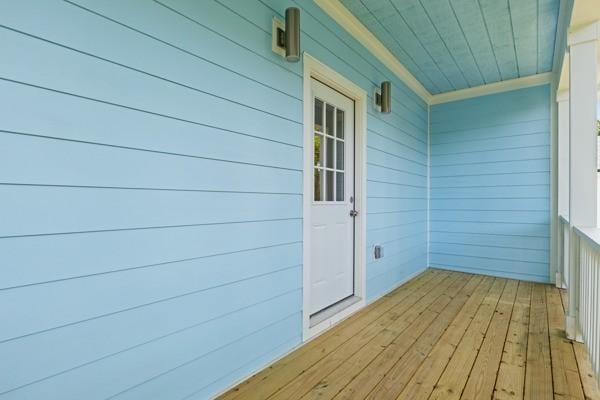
(491, 88)
(563, 94)
(587, 33)
(348, 21)
(560, 40)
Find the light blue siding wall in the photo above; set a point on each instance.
(490, 163)
(151, 193)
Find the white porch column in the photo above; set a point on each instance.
(583, 49)
(562, 103)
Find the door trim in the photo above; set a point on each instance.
(315, 69)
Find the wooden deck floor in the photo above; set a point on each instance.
(443, 335)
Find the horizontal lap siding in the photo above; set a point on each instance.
(151, 193)
(490, 184)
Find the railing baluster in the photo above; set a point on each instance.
(562, 273)
(583, 317)
(560, 256)
(566, 250)
(594, 324)
(592, 311)
(593, 315)
(582, 289)
(592, 348)
(585, 300)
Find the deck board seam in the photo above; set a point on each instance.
(448, 280)
(552, 356)
(484, 337)
(525, 363)
(418, 282)
(282, 388)
(450, 324)
(483, 296)
(461, 337)
(506, 336)
(393, 341)
(438, 336)
(441, 334)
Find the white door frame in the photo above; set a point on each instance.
(315, 69)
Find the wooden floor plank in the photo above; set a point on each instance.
(591, 388)
(331, 385)
(454, 378)
(565, 299)
(395, 368)
(272, 378)
(443, 335)
(482, 380)
(510, 382)
(364, 382)
(381, 332)
(565, 373)
(425, 378)
(538, 370)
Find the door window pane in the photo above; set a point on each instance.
(329, 112)
(339, 124)
(339, 186)
(318, 185)
(329, 185)
(318, 115)
(339, 155)
(329, 152)
(329, 149)
(318, 144)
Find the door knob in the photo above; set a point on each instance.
(353, 213)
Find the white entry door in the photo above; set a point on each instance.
(332, 193)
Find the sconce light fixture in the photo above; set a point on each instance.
(286, 38)
(383, 97)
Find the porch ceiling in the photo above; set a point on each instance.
(455, 44)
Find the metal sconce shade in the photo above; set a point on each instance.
(292, 34)
(386, 97)
(286, 36)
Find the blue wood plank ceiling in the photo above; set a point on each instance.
(455, 44)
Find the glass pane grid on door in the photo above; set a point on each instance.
(329, 153)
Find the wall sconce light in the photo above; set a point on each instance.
(383, 97)
(286, 38)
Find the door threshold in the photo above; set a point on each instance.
(333, 309)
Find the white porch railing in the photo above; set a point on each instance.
(562, 273)
(589, 310)
(579, 272)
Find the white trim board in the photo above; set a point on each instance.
(554, 225)
(560, 43)
(428, 182)
(563, 94)
(492, 88)
(355, 28)
(315, 69)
